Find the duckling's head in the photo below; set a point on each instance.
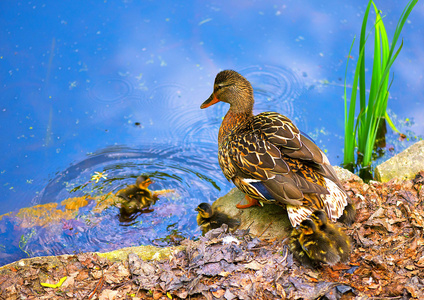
(143, 182)
(205, 210)
(307, 227)
(232, 88)
(319, 217)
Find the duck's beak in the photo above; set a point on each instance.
(210, 101)
(145, 184)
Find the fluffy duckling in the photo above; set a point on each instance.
(316, 244)
(209, 218)
(137, 196)
(334, 233)
(297, 250)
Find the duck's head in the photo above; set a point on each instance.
(307, 227)
(205, 210)
(319, 217)
(232, 88)
(143, 182)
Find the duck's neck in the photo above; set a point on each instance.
(232, 119)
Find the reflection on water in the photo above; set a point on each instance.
(110, 90)
(178, 152)
(186, 170)
(275, 88)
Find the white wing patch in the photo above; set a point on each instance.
(298, 213)
(335, 202)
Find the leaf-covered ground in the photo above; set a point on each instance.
(387, 262)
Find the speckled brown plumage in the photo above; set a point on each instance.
(269, 159)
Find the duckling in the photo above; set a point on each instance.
(297, 250)
(209, 218)
(270, 160)
(316, 244)
(334, 233)
(137, 197)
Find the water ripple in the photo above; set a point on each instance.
(110, 90)
(191, 171)
(275, 88)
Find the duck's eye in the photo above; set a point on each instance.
(220, 86)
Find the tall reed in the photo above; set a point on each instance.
(361, 130)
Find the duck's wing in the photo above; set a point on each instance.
(281, 132)
(255, 165)
(303, 157)
(252, 163)
(313, 172)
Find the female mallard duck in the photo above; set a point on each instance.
(270, 160)
(316, 244)
(209, 218)
(334, 233)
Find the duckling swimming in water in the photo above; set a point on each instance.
(137, 197)
(316, 244)
(334, 233)
(209, 218)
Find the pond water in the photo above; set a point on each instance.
(115, 87)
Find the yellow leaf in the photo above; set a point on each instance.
(55, 286)
(169, 295)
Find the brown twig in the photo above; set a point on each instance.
(100, 283)
(269, 225)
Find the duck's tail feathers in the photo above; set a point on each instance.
(335, 201)
(298, 213)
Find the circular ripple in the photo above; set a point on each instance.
(110, 90)
(275, 88)
(192, 171)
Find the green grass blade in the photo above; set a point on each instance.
(372, 111)
(404, 16)
(349, 142)
(390, 122)
(362, 41)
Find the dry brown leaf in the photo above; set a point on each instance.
(108, 295)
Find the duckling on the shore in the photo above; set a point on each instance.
(316, 244)
(334, 233)
(209, 218)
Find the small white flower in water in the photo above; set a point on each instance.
(98, 175)
(229, 239)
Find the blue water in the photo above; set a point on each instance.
(115, 87)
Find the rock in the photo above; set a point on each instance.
(269, 221)
(404, 165)
(346, 175)
(147, 252)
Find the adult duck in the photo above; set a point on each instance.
(270, 160)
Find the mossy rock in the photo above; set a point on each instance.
(269, 221)
(404, 165)
(144, 252)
